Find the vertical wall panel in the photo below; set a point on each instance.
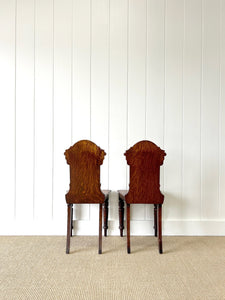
(137, 53)
(155, 78)
(117, 100)
(43, 109)
(62, 103)
(100, 84)
(118, 94)
(81, 92)
(155, 72)
(136, 71)
(24, 110)
(210, 108)
(100, 79)
(81, 70)
(7, 108)
(173, 108)
(191, 192)
(222, 111)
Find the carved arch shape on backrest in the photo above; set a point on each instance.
(84, 146)
(143, 147)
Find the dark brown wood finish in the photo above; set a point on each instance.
(155, 219)
(100, 230)
(84, 159)
(144, 159)
(121, 215)
(71, 229)
(69, 224)
(106, 211)
(160, 227)
(128, 228)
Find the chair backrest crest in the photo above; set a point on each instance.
(85, 146)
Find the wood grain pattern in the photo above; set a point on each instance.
(144, 159)
(85, 158)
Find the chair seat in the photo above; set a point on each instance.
(106, 192)
(122, 194)
(136, 200)
(72, 198)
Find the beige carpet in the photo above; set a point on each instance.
(38, 268)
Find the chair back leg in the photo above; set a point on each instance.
(160, 228)
(121, 216)
(128, 228)
(106, 211)
(100, 230)
(71, 231)
(69, 208)
(155, 219)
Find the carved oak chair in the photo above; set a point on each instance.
(84, 159)
(144, 159)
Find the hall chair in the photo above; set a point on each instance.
(85, 159)
(144, 159)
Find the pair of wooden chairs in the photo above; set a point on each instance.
(144, 159)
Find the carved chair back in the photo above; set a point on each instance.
(84, 159)
(144, 159)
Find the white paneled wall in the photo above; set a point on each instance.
(114, 72)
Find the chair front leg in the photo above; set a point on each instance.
(160, 228)
(128, 228)
(100, 230)
(155, 219)
(69, 206)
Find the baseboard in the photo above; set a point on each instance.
(174, 227)
(33, 227)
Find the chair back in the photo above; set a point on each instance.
(144, 159)
(84, 159)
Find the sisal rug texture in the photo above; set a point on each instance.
(38, 268)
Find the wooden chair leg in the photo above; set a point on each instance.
(100, 230)
(121, 216)
(160, 228)
(155, 219)
(68, 228)
(128, 228)
(106, 211)
(71, 232)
